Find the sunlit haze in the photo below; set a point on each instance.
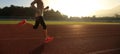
(69, 7)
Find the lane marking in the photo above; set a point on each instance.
(104, 51)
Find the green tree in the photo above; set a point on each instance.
(29, 12)
(117, 15)
(54, 15)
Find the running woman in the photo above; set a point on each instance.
(39, 17)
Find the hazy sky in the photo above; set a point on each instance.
(68, 7)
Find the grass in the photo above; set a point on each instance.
(75, 23)
(8, 22)
(55, 22)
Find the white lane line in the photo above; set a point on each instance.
(104, 51)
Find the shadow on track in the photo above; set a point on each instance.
(38, 50)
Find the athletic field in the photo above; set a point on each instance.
(69, 38)
(56, 22)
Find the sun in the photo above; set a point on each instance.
(76, 7)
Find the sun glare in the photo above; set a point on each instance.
(76, 7)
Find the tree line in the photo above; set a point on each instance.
(18, 12)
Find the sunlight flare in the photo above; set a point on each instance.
(76, 7)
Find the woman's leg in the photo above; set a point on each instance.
(37, 21)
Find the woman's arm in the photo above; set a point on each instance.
(33, 5)
(46, 8)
